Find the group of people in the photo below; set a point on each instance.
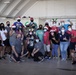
(38, 43)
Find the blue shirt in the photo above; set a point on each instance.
(66, 26)
(18, 25)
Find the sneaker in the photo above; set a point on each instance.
(74, 62)
(3, 57)
(41, 60)
(53, 57)
(49, 58)
(56, 57)
(22, 60)
(46, 57)
(63, 59)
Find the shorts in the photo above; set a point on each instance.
(30, 48)
(17, 58)
(47, 48)
(38, 54)
(6, 42)
(72, 45)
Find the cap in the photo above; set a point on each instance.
(13, 26)
(18, 18)
(46, 27)
(31, 18)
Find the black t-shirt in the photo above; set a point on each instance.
(56, 38)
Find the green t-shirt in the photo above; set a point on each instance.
(40, 34)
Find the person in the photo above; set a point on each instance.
(32, 24)
(47, 43)
(8, 47)
(17, 49)
(36, 53)
(40, 33)
(18, 25)
(3, 34)
(0, 47)
(12, 35)
(30, 42)
(54, 27)
(66, 24)
(47, 25)
(64, 43)
(55, 43)
(72, 45)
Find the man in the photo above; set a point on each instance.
(72, 43)
(17, 49)
(8, 28)
(66, 24)
(18, 25)
(54, 27)
(37, 51)
(40, 33)
(32, 23)
(47, 25)
(47, 43)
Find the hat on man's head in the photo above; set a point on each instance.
(31, 18)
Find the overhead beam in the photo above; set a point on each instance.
(23, 7)
(4, 7)
(26, 7)
(15, 8)
(11, 7)
(19, 8)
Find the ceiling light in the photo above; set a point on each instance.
(7, 2)
(2, 17)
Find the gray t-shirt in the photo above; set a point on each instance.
(17, 45)
(12, 39)
(39, 46)
(8, 30)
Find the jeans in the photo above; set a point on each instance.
(55, 50)
(63, 48)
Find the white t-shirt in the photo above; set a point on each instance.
(2, 33)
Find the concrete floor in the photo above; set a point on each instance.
(48, 67)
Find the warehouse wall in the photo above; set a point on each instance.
(52, 8)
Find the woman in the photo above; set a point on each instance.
(64, 43)
(0, 47)
(55, 43)
(3, 34)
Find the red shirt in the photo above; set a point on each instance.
(55, 29)
(73, 34)
(49, 28)
(46, 38)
